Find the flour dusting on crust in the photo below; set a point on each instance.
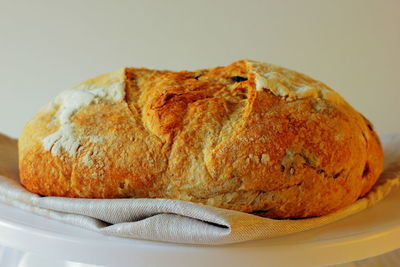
(289, 84)
(104, 89)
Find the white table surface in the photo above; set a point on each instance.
(15, 258)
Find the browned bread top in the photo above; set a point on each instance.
(250, 136)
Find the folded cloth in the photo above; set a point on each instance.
(174, 220)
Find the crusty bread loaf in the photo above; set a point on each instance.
(250, 136)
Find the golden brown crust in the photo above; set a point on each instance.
(250, 136)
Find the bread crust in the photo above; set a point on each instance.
(249, 136)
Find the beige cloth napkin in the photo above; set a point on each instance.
(172, 220)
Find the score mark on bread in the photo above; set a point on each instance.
(249, 136)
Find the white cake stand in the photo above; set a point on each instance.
(369, 233)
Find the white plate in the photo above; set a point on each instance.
(369, 233)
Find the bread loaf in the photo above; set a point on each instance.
(249, 136)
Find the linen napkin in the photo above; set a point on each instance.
(173, 220)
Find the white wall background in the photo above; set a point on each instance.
(48, 46)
